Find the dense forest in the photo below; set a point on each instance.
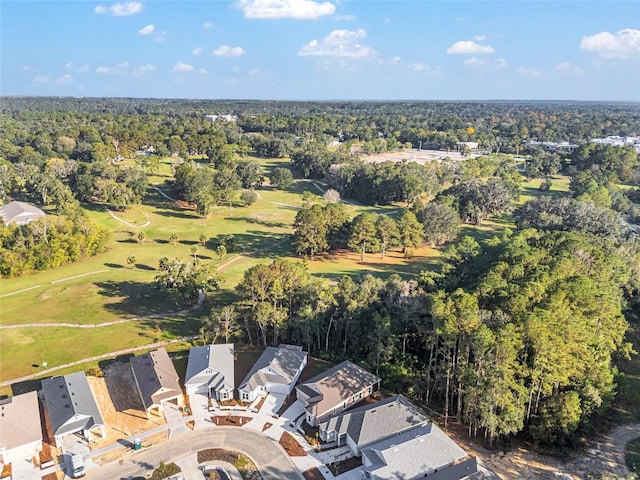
(516, 335)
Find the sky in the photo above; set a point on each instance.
(322, 50)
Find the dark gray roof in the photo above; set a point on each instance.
(412, 454)
(70, 403)
(339, 384)
(19, 212)
(156, 377)
(218, 359)
(376, 421)
(275, 365)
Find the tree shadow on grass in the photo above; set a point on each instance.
(135, 299)
(188, 214)
(141, 266)
(256, 243)
(258, 221)
(113, 265)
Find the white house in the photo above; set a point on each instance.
(422, 452)
(20, 213)
(210, 371)
(335, 390)
(71, 406)
(20, 429)
(157, 380)
(276, 371)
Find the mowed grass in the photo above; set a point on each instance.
(105, 288)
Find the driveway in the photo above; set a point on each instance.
(269, 457)
(175, 420)
(200, 410)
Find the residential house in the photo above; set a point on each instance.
(157, 380)
(335, 390)
(71, 406)
(276, 371)
(20, 429)
(20, 213)
(422, 452)
(210, 371)
(363, 426)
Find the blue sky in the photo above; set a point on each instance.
(323, 50)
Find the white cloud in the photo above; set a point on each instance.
(296, 9)
(501, 64)
(567, 68)
(529, 72)
(348, 18)
(197, 51)
(42, 79)
(203, 71)
(142, 69)
(148, 30)
(486, 64)
(469, 47)
(623, 44)
(227, 51)
(339, 43)
(68, 66)
(182, 67)
(120, 69)
(65, 79)
(429, 70)
(28, 68)
(161, 36)
(120, 9)
(479, 38)
(207, 25)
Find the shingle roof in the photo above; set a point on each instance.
(19, 420)
(19, 212)
(338, 384)
(377, 421)
(70, 403)
(218, 358)
(156, 377)
(275, 365)
(413, 453)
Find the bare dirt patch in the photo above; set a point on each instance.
(266, 426)
(119, 404)
(313, 474)
(230, 420)
(291, 446)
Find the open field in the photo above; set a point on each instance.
(104, 289)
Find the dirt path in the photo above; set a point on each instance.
(115, 217)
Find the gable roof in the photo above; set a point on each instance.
(411, 454)
(275, 365)
(20, 213)
(377, 421)
(20, 420)
(218, 358)
(337, 385)
(156, 377)
(70, 403)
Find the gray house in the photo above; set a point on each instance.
(19, 213)
(157, 380)
(361, 427)
(71, 406)
(20, 429)
(210, 371)
(276, 371)
(335, 390)
(422, 452)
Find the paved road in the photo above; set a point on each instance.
(269, 457)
